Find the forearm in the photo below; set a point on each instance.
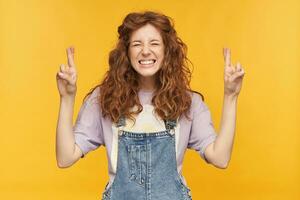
(224, 141)
(65, 141)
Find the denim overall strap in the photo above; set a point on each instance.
(170, 125)
(147, 167)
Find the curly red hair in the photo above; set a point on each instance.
(120, 86)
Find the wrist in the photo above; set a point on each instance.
(230, 97)
(67, 98)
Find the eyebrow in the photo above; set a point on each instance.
(153, 40)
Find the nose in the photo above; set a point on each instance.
(145, 50)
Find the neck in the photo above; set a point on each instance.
(147, 83)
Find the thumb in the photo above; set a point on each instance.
(64, 76)
(236, 75)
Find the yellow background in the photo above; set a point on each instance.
(264, 35)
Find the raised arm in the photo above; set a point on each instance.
(67, 152)
(219, 152)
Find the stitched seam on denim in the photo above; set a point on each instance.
(150, 171)
(144, 135)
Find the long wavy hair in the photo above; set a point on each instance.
(120, 86)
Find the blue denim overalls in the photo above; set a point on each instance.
(146, 167)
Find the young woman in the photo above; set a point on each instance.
(145, 113)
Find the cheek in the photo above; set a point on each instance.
(161, 52)
(132, 54)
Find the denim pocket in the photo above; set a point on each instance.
(137, 163)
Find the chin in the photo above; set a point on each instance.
(147, 73)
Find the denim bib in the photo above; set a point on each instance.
(146, 167)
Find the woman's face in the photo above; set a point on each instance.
(146, 50)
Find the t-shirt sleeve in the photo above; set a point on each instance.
(202, 131)
(88, 128)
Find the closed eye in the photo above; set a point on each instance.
(138, 44)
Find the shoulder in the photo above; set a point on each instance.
(197, 104)
(197, 97)
(92, 97)
(90, 103)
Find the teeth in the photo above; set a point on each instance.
(146, 62)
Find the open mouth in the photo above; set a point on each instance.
(147, 62)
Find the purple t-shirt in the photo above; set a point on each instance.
(92, 130)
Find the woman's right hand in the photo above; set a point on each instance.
(67, 76)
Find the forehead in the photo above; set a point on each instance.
(146, 32)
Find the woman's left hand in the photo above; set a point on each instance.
(233, 75)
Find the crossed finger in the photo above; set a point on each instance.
(226, 54)
(231, 70)
(70, 54)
